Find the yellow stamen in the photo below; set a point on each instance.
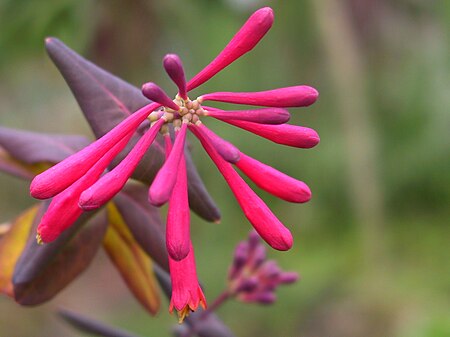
(39, 239)
(183, 313)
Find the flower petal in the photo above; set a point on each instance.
(260, 216)
(274, 181)
(112, 182)
(162, 187)
(62, 175)
(296, 96)
(245, 40)
(285, 134)
(186, 291)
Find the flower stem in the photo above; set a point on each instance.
(225, 295)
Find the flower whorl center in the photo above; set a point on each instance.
(189, 112)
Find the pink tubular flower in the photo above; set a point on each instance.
(178, 217)
(298, 96)
(186, 292)
(57, 178)
(256, 211)
(112, 182)
(264, 176)
(76, 185)
(245, 40)
(261, 116)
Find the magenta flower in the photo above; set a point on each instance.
(76, 185)
(187, 294)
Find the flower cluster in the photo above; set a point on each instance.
(253, 278)
(78, 184)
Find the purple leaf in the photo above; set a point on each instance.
(105, 101)
(20, 150)
(144, 221)
(32, 147)
(13, 167)
(42, 271)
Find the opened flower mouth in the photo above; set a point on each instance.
(79, 184)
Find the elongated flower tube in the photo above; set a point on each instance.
(174, 68)
(260, 216)
(228, 151)
(112, 182)
(297, 96)
(186, 292)
(178, 216)
(245, 40)
(63, 210)
(285, 134)
(274, 181)
(261, 116)
(161, 188)
(62, 175)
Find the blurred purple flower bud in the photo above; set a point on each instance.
(258, 256)
(253, 278)
(266, 297)
(288, 277)
(247, 285)
(239, 259)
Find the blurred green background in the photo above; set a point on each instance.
(372, 246)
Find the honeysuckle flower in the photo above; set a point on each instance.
(76, 185)
(187, 294)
